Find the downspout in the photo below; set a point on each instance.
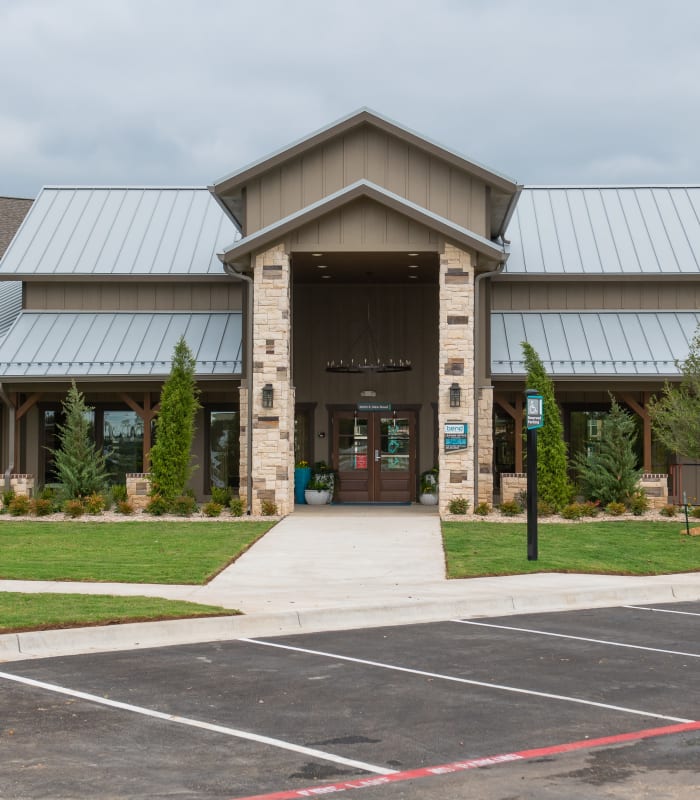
(500, 267)
(235, 273)
(10, 436)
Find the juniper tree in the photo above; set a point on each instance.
(171, 455)
(553, 484)
(611, 474)
(78, 464)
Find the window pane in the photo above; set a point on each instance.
(352, 444)
(122, 444)
(224, 448)
(395, 439)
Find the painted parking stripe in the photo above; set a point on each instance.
(665, 611)
(467, 681)
(194, 723)
(578, 638)
(475, 763)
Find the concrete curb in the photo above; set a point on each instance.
(52, 643)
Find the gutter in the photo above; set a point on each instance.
(233, 272)
(499, 269)
(10, 436)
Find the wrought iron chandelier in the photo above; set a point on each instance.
(371, 362)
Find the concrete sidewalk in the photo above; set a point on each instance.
(340, 567)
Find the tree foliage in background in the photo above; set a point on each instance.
(675, 416)
(611, 474)
(171, 455)
(79, 466)
(553, 484)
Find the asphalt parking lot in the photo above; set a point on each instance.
(587, 704)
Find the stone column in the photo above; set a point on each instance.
(456, 366)
(485, 446)
(272, 465)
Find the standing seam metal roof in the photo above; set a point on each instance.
(647, 230)
(589, 343)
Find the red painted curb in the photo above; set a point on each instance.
(474, 763)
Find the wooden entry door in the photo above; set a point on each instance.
(374, 454)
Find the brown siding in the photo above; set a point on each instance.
(133, 296)
(596, 295)
(383, 159)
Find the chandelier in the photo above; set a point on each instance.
(370, 363)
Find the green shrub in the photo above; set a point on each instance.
(221, 495)
(639, 503)
(184, 505)
(590, 508)
(615, 509)
(268, 508)
(236, 507)
(7, 498)
(668, 510)
(212, 509)
(482, 509)
(572, 511)
(118, 492)
(511, 508)
(695, 512)
(73, 508)
(125, 507)
(94, 503)
(157, 506)
(458, 505)
(19, 506)
(544, 509)
(41, 506)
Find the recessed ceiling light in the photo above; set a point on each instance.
(321, 266)
(326, 277)
(316, 255)
(413, 277)
(413, 266)
(411, 254)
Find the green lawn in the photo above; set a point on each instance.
(620, 548)
(123, 552)
(25, 612)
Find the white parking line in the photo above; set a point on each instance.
(664, 610)
(466, 681)
(578, 638)
(194, 723)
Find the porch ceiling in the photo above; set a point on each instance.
(367, 268)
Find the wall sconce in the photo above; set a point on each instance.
(268, 396)
(455, 396)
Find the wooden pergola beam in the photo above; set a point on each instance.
(641, 411)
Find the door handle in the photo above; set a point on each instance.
(377, 457)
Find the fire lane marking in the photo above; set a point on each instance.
(664, 610)
(468, 682)
(577, 638)
(474, 763)
(194, 723)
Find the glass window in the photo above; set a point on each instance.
(352, 444)
(395, 444)
(51, 420)
(224, 448)
(122, 443)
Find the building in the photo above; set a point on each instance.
(359, 298)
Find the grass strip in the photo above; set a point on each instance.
(35, 612)
(474, 549)
(123, 552)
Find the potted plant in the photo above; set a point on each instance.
(428, 490)
(302, 476)
(317, 492)
(323, 474)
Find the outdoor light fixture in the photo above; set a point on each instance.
(455, 396)
(268, 395)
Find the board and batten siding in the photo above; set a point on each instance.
(594, 295)
(132, 296)
(373, 155)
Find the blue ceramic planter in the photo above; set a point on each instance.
(302, 476)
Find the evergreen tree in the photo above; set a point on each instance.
(171, 454)
(79, 466)
(675, 416)
(611, 475)
(553, 484)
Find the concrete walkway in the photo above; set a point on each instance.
(340, 567)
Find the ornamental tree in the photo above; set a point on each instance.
(675, 415)
(553, 484)
(78, 464)
(171, 455)
(611, 474)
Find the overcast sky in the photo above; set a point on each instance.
(182, 92)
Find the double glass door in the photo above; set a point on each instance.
(374, 455)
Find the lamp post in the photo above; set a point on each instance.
(535, 420)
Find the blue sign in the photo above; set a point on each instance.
(535, 411)
(455, 436)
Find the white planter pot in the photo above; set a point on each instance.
(428, 499)
(315, 497)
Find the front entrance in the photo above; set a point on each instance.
(374, 454)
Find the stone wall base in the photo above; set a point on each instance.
(138, 489)
(656, 488)
(22, 485)
(512, 484)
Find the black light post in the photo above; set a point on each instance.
(535, 420)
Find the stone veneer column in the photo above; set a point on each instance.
(485, 445)
(456, 354)
(273, 428)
